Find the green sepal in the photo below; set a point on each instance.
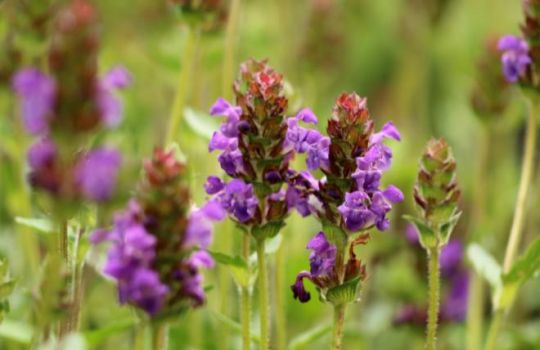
(268, 230)
(447, 228)
(428, 237)
(335, 235)
(344, 293)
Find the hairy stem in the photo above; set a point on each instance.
(263, 294)
(281, 321)
(245, 300)
(228, 55)
(433, 308)
(339, 321)
(160, 337)
(181, 90)
(521, 200)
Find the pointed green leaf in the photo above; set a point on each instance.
(302, 340)
(268, 230)
(525, 266)
(344, 293)
(485, 265)
(448, 227)
(43, 225)
(238, 267)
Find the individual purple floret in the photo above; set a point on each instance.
(515, 57)
(232, 117)
(110, 106)
(36, 92)
(200, 225)
(238, 199)
(323, 255)
(96, 173)
(298, 289)
(143, 289)
(42, 153)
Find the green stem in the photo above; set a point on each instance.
(228, 55)
(263, 295)
(433, 309)
(140, 336)
(339, 321)
(245, 301)
(281, 321)
(181, 90)
(160, 337)
(475, 313)
(521, 201)
(496, 323)
(519, 214)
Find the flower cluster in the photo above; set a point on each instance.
(61, 109)
(158, 247)
(255, 151)
(208, 15)
(349, 199)
(455, 284)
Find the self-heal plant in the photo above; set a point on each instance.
(158, 245)
(349, 200)
(255, 154)
(436, 195)
(64, 108)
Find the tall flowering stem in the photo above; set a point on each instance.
(349, 201)
(63, 109)
(255, 153)
(158, 246)
(436, 195)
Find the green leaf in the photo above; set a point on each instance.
(428, 237)
(525, 266)
(448, 227)
(485, 265)
(16, 331)
(233, 325)
(268, 230)
(201, 123)
(100, 335)
(273, 244)
(238, 267)
(304, 339)
(41, 224)
(344, 293)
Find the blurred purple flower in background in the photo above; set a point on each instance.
(96, 173)
(515, 57)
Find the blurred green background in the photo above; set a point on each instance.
(415, 60)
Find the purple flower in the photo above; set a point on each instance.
(454, 306)
(96, 173)
(238, 199)
(232, 114)
(200, 225)
(355, 211)
(308, 141)
(109, 105)
(307, 116)
(42, 153)
(213, 185)
(323, 255)
(36, 92)
(515, 57)
(143, 289)
(451, 258)
(298, 289)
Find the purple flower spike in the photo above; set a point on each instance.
(298, 289)
(355, 211)
(515, 57)
(109, 105)
(41, 154)
(37, 93)
(96, 173)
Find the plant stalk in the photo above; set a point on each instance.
(496, 323)
(339, 321)
(263, 295)
(180, 98)
(245, 300)
(140, 336)
(281, 321)
(160, 336)
(433, 308)
(229, 49)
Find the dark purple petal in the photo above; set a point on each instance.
(298, 289)
(213, 185)
(323, 255)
